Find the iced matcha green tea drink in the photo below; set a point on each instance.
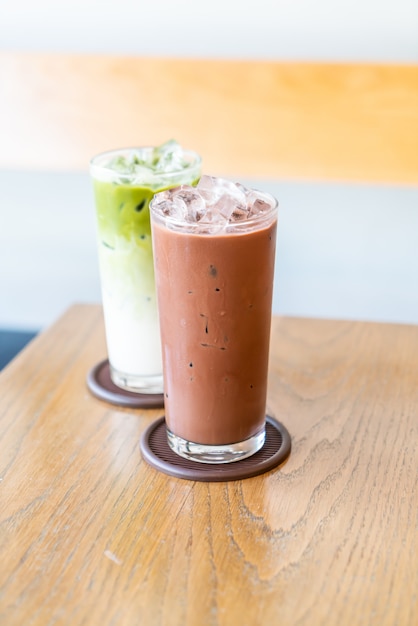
(124, 183)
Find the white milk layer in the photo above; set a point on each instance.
(133, 341)
(130, 309)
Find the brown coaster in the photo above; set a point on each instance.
(156, 452)
(101, 385)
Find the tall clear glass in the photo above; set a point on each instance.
(125, 181)
(214, 252)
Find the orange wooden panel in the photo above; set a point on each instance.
(260, 119)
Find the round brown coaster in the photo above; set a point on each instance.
(101, 385)
(156, 452)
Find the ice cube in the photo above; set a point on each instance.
(161, 202)
(172, 207)
(209, 189)
(258, 202)
(196, 206)
(259, 206)
(120, 164)
(161, 197)
(168, 157)
(242, 188)
(179, 209)
(213, 204)
(222, 194)
(231, 210)
(141, 174)
(178, 202)
(168, 147)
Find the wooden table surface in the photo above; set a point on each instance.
(90, 534)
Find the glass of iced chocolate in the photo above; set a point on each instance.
(125, 180)
(214, 252)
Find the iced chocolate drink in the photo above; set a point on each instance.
(124, 183)
(214, 251)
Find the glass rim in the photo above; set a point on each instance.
(97, 166)
(207, 229)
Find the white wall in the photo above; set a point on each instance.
(343, 251)
(364, 30)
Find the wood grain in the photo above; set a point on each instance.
(90, 534)
(256, 119)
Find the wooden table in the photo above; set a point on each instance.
(91, 534)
